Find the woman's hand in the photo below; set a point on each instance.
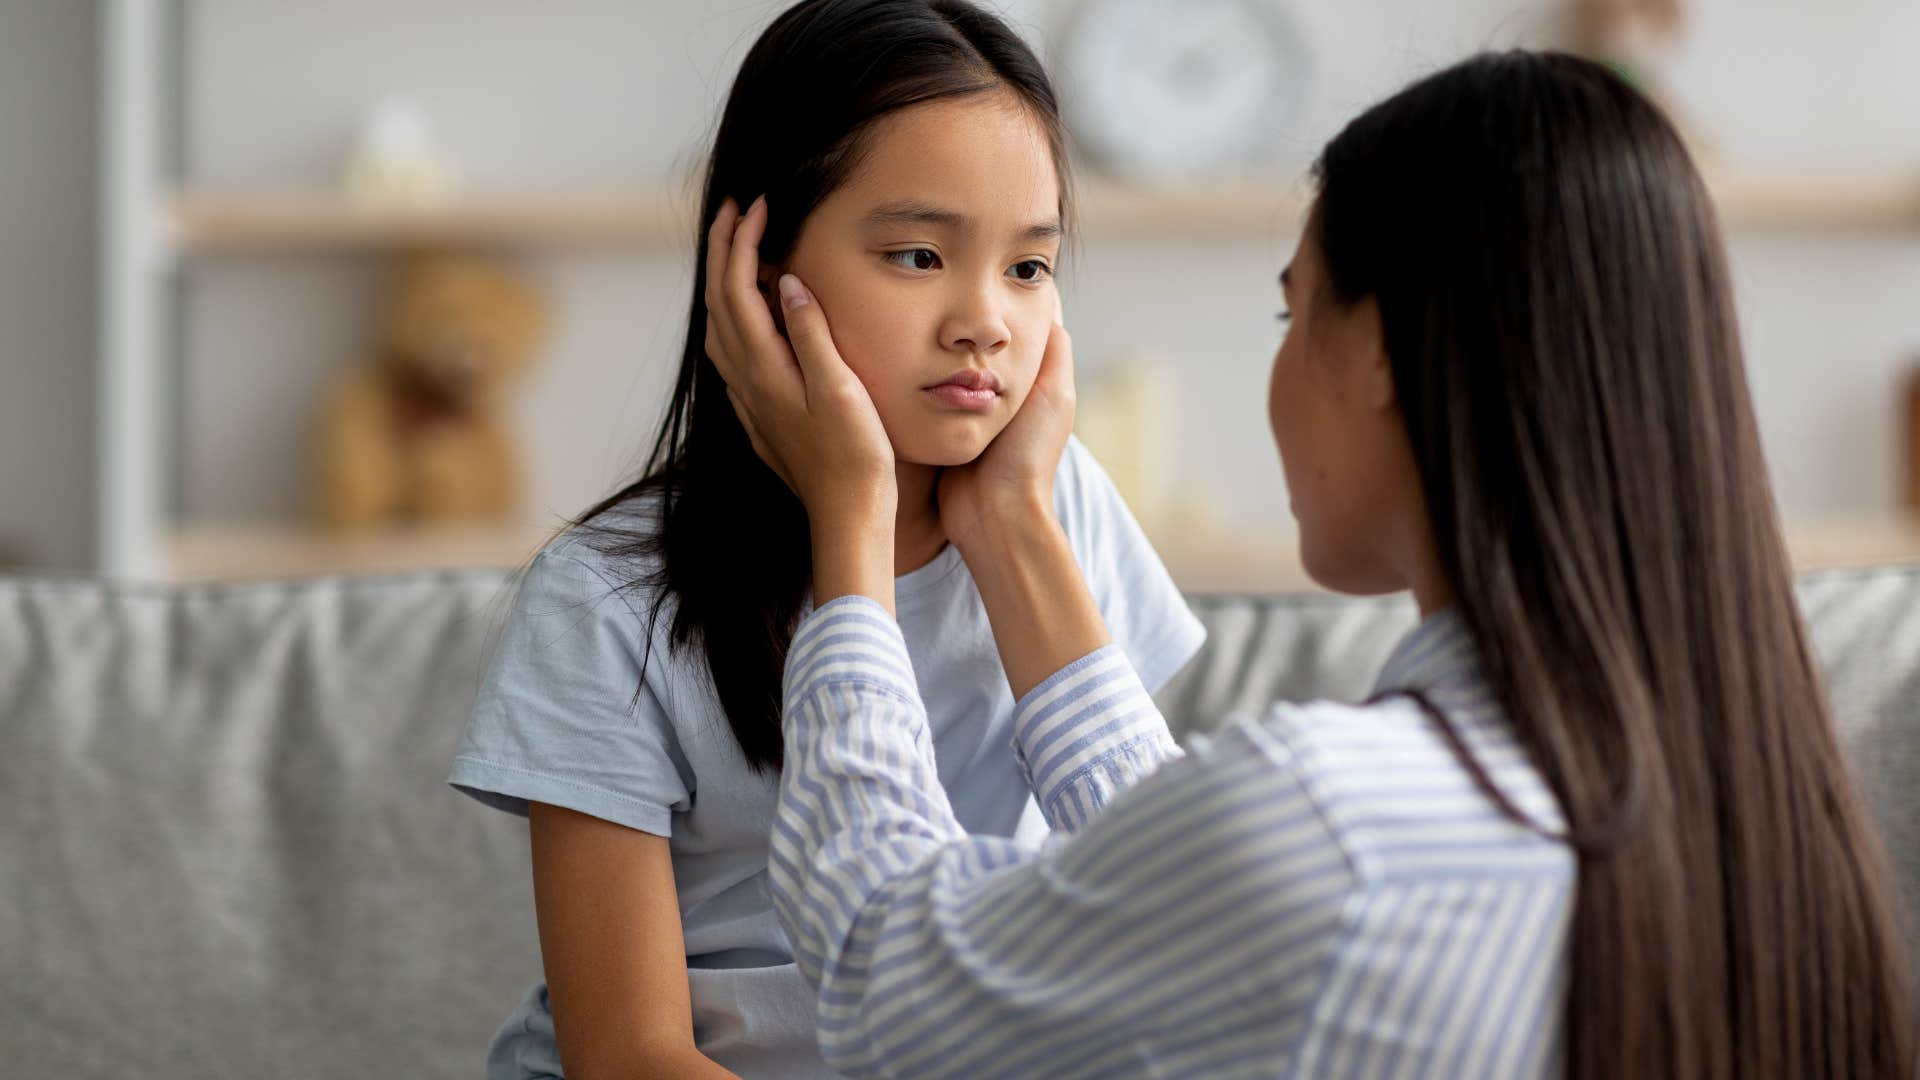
(808, 416)
(1013, 479)
(998, 510)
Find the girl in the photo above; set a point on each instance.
(1594, 822)
(909, 155)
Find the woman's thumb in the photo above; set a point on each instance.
(806, 325)
(792, 293)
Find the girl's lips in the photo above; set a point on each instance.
(970, 399)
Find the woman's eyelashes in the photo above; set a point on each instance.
(926, 260)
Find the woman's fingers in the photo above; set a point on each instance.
(721, 347)
(1057, 358)
(719, 246)
(803, 410)
(718, 350)
(747, 306)
(831, 385)
(812, 342)
(759, 444)
(1054, 383)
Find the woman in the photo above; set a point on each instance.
(1594, 822)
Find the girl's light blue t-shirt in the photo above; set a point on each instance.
(558, 721)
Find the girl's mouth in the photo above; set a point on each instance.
(970, 390)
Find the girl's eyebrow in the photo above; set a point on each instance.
(1286, 278)
(911, 212)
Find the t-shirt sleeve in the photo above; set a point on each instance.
(1145, 612)
(563, 716)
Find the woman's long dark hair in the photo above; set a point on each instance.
(724, 538)
(1559, 320)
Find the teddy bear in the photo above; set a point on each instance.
(418, 431)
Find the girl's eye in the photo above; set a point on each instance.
(1284, 317)
(921, 259)
(1030, 270)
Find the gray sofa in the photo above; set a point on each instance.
(227, 849)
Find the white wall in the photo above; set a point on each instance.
(601, 91)
(1797, 82)
(47, 282)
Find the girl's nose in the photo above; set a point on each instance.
(976, 323)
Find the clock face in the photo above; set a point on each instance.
(1169, 89)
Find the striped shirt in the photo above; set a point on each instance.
(1318, 892)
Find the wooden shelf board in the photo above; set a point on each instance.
(215, 221)
(235, 552)
(1254, 561)
(1242, 208)
(1846, 201)
(1269, 561)
(269, 221)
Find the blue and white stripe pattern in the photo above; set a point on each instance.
(1319, 892)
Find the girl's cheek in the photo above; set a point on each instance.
(1016, 397)
(1033, 343)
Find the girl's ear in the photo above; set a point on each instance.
(769, 282)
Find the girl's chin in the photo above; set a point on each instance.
(957, 447)
(934, 461)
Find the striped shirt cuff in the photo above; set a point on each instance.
(1088, 732)
(850, 639)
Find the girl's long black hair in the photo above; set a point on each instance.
(719, 534)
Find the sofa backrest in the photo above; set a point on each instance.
(226, 845)
(225, 839)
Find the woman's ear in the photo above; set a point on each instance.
(1376, 366)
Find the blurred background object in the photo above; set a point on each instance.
(1182, 91)
(419, 432)
(1124, 414)
(397, 159)
(188, 249)
(1913, 438)
(1632, 34)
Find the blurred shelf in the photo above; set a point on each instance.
(210, 222)
(256, 221)
(1251, 208)
(1269, 562)
(252, 221)
(1831, 544)
(1207, 561)
(1200, 561)
(238, 552)
(1835, 201)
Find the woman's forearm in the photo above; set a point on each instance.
(1043, 615)
(853, 554)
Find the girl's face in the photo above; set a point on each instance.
(934, 266)
(1343, 446)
